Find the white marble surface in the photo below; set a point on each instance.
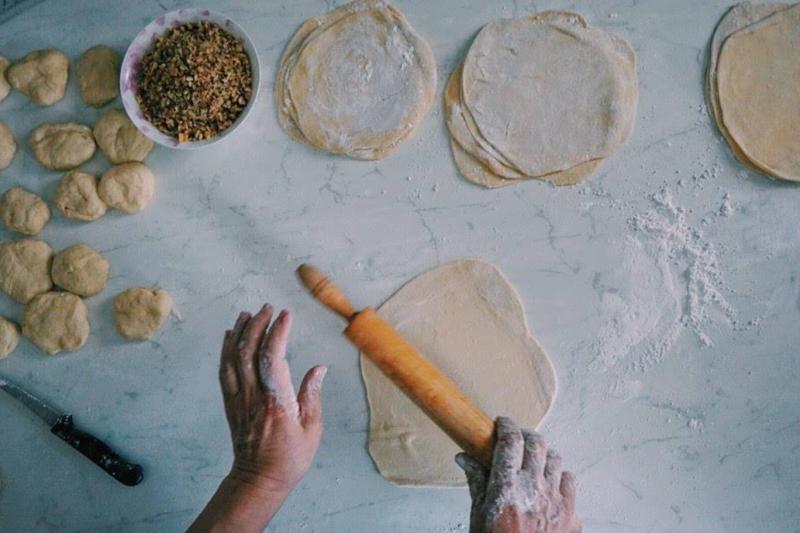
(695, 438)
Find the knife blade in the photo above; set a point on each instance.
(62, 426)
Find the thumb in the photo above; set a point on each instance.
(309, 398)
(476, 476)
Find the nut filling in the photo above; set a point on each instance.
(194, 82)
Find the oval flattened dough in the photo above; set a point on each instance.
(41, 76)
(5, 87)
(98, 75)
(80, 270)
(469, 321)
(76, 197)
(8, 146)
(139, 313)
(119, 139)
(62, 146)
(128, 187)
(23, 211)
(56, 322)
(9, 337)
(25, 269)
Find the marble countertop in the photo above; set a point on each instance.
(666, 290)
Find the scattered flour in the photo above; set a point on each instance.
(674, 284)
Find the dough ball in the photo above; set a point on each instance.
(80, 270)
(128, 187)
(56, 322)
(23, 211)
(139, 312)
(41, 76)
(62, 146)
(5, 88)
(8, 147)
(77, 198)
(119, 139)
(25, 269)
(98, 75)
(9, 337)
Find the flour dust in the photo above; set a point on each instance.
(670, 282)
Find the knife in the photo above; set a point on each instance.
(61, 425)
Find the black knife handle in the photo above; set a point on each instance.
(98, 452)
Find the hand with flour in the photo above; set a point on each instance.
(525, 490)
(275, 432)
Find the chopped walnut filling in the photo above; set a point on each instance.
(194, 82)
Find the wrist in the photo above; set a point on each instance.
(246, 479)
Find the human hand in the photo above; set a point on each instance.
(275, 433)
(524, 491)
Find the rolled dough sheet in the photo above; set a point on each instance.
(469, 321)
(758, 76)
(736, 18)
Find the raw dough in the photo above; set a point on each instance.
(9, 337)
(482, 168)
(41, 76)
(80, 270)
(25, 269)
(8, 147)
(356, 81)
(758, 74)
(56, 322)
(128, 187)
(139, 313)
(467, 319)
(5, 88)
(737, 17)
(62, 146)
(98, 75)
(548, 96)
(119, 139)
(23, 211)
(77, 198)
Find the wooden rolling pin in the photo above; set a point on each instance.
(417, 377)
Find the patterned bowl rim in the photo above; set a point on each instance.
(142, 42)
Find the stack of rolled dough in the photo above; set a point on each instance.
(545, 96)
(355, 81)
(752, 86)
(469, 321)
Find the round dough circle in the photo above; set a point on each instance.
(549, 96)
(9, 337)
(757, 79)
(139, 313)
(76, 196)
(469, 321)
(62, 146)
(56, 322)
(98, 75)
(128, 187)
(736, 18)
(25, 269)
(41, 76)
(23, 211)
(119, 139)
(479, 166)
(80, 270)
(362, 84)
(8, 146)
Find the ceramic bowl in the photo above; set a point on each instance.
(131, 65)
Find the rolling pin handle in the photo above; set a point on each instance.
(324, 290)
